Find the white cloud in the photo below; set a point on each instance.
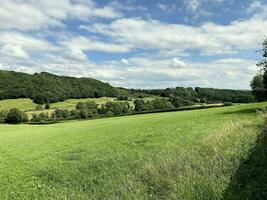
(83, 43)
(209, 38)
(146, 72)
(14, 51)
(33, 15)
(124, 61)
(255, 5)
(75, 54)
(27, 42)
(192, 5)
(178, 63)
(165, 7)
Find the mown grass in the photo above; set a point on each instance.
(26, 104)
(22, 104)
(196, 154)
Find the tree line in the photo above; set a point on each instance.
(86, 110)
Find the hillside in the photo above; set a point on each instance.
(205, 154)
(42, 86)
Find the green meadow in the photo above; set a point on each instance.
(215, 153)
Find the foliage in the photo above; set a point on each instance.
(44, 87)
(42, 117)
(14, 116)
(3, 114)
(180, 102)
(257, 86)
(47, 105)
(223, 95)
(117, 108)
(263, 65)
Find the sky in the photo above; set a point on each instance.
(136, 43)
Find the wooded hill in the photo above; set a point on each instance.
(45, 87)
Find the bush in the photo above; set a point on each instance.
(14, 116)
(59, 114)
(90, 105)
(3, 114)
(139, 105)
(122, 98)
(117, 108)
(161, 104)
(180, 102)
(39, 107)
(47, 105)
(42, 117)
(228, 104)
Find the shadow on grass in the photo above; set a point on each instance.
(250, 180)
(243, 111)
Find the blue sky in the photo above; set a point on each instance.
(134, 43)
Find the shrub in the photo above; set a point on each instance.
(39, 107)
(122, 98)
(228, 104)
(90, 105)
(161, 104)
(14, 116)
(42, 117)
(59, 114)
(180, 102)
(47, 105)
(3, 114)
(139, 105)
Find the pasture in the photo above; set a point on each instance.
(199, 154)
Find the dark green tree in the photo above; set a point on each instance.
(257, 86)
(263, 64)
(139, 105)
(14, 116)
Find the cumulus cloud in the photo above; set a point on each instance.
(124, 61)
(75, 54)
(84, 43)
(27, 42)
(33, 15)
(14, 51)
(209, 38)
(178, 63)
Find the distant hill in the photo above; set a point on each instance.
(43, 86)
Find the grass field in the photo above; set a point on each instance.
(217, 153)
(26, 104)
(21, 104)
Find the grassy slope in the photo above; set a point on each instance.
(26, 104)
(22, 104)
(179, 155)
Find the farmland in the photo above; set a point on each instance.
(201, 154)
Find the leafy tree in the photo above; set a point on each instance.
(47, 105)
(180, 102)
(59, 114)
(117, 108)
(257, 86)
(139, 105)
(14, 116)
(161, 104)
(263, 64)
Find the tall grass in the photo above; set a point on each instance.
(215, 154)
